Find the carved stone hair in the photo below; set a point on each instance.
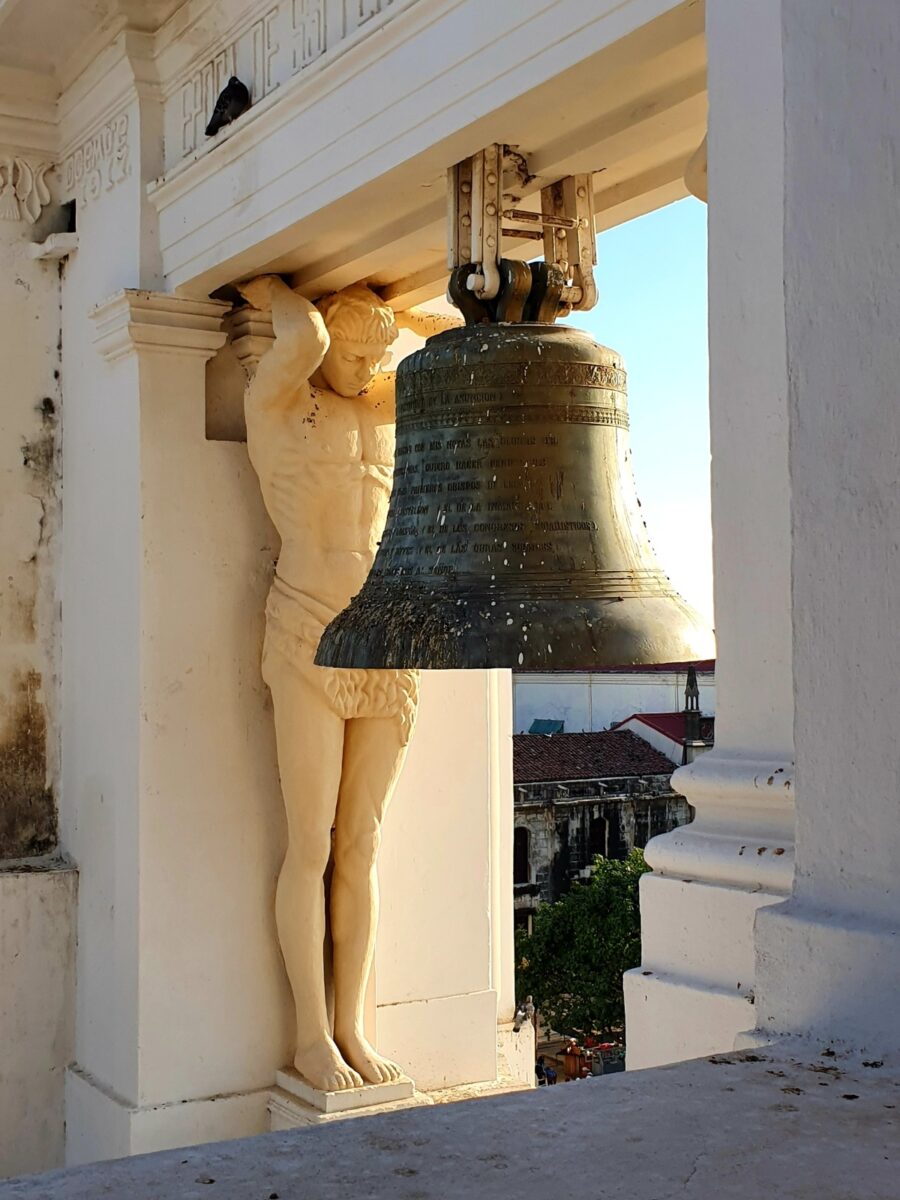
(357, 315)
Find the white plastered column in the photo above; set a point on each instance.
(695, 989)
(829, 958)
(181, 1012)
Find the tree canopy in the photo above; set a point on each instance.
(573, 961)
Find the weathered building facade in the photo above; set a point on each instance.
(582, 795)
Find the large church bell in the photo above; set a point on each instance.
(514, 536)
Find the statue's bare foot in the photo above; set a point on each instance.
(360, 1054)
(258, 292)
(322, 1066)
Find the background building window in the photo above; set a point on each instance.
(521, 869)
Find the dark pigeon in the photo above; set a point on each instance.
(232, 102)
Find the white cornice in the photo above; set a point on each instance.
(28, 111)
(89, 51)
(135, 321)
(28, 132)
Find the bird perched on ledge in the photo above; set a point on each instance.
(233, 101)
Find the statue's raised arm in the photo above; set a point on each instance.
(301, 342)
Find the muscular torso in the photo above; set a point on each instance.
(325, 465)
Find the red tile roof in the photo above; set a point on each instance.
(611, 754)
(706, 666)
(670, 724)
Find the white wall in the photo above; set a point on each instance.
(829, 959)
(591, 702)
(692, 993)
(36, 899)
(186, 1046)
(436, 986)
(29, 538)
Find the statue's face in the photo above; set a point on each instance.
(349, 367)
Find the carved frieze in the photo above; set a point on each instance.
(23, 188)
(268, 48)
(308, 31)
(250, 56)
(99, 163)
(357, 12)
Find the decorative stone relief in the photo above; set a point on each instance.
(250, 56)
(100, 162)
(308, 29)
(275, 44)
(357, 12)
(23, 188)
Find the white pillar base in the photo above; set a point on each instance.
(672, 1020)
(694, 992)
(102, 1125)
(829, 976)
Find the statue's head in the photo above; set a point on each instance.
(361, 327)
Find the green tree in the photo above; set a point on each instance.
(573, 961)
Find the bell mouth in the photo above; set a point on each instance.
(428, 629)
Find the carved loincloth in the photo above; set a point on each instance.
(293, 630)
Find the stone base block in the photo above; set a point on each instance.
(700, 930)
(828, 976)
(101, 1125)
(670, 1020)
(350, 1098)
(294, 1103)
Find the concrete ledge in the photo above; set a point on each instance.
(739, 1126)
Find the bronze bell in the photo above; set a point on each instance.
(514, 536)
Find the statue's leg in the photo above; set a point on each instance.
(374, 750)
(310, 748)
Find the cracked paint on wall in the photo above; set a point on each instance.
(29, 525)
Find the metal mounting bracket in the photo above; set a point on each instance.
(565, 226)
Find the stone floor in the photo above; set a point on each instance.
(755, 1124)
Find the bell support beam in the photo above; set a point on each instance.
(638, 151)
(274, 203)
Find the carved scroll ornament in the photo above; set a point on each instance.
(23, 188)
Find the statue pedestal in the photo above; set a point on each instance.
(293, 1102)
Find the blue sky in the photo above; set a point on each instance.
(651, 275)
